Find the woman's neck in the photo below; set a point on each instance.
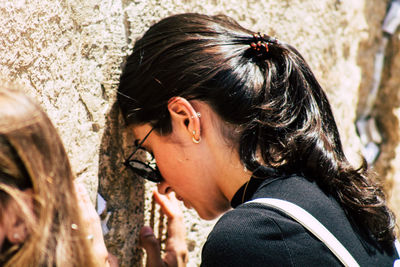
(232, 174)
(228, 170)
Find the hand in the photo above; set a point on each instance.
(175, 247)
(92, 225)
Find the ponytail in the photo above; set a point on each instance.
(297, 133)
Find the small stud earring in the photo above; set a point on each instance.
(197, 114)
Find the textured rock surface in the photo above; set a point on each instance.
(68, 54)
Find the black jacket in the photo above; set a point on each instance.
(256, 235)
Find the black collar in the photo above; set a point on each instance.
(246, 191)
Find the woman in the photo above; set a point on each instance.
(40, 219)
(231, 116)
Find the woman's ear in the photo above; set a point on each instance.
(17, 230)
(15, 224)
(184, 116)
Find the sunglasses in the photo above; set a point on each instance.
(148, 171)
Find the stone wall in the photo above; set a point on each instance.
(68, 55)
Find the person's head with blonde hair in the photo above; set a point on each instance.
(39, 220)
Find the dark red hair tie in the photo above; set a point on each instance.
(260, 43)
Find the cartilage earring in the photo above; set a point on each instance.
(196, 141)
(197, 114)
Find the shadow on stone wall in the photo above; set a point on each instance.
(387, 102)
(123, 191)
(387, 98)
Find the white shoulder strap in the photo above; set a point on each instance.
(397, 246)
(312, 225)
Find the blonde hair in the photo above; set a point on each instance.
(32, 156)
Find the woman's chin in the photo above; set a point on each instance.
(187, 205)
(207, 215)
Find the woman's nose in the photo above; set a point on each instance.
(163, 187)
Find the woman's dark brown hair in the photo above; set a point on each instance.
(275, 104)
